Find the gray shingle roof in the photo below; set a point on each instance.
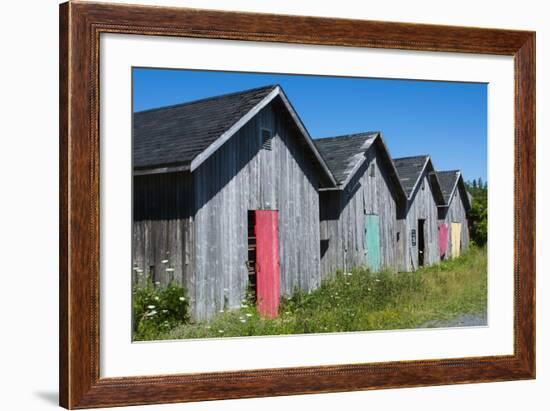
(344, 153)
(175, 135)
(409, 169)
(448, 181)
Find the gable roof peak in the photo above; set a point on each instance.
(410, 169)
(345, 153)
(210, 98)
(350, 136)
(449, 181)
(183, 136)
(422, 157)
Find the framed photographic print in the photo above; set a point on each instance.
(257, 205)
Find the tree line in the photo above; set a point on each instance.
(477, 216)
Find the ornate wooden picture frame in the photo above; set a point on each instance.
(80, 27)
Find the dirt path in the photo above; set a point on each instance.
(463, 320)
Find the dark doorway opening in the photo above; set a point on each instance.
(251, 264)
(324, 247)
(421, 243)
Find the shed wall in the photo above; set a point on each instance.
(422, 206)
(343, 218)
(456, 213)
(163, 229)
(241, 176)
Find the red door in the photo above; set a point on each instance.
(268, 275)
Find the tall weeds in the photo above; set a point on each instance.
(361, 301)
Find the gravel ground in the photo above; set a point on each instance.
(463, 320)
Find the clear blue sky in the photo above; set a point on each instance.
(443, 119)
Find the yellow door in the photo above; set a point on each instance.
(455, 239)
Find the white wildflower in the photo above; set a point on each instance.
(244, 306)
(182, 298)
(170, 269)
(377, 280)
(164, 311)
(287, 312)
(221, 331)
(150, 314)
(368, 289)
(157, 282)
(248, 315)
(221, 311)
(157, 298)
(164, 261)
(243, 320)
(150, 307)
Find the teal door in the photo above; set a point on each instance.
(372, 241)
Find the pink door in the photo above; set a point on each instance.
(443, 239)
(268, 276)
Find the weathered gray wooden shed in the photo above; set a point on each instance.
(418, 224)
(453, 215)
(358, 217)
(205, 173)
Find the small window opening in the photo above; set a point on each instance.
(267, 138)
(423, 184)
(372, 170)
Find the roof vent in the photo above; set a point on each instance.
(267, 138)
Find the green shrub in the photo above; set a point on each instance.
(156, 310)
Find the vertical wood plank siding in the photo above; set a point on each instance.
(456, 213)
(162, 229)
(192, 228)
(241, 176)
(422, 206)
(343, 218)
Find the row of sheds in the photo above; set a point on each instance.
(232, 195)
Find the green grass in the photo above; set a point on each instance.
(361, 301)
